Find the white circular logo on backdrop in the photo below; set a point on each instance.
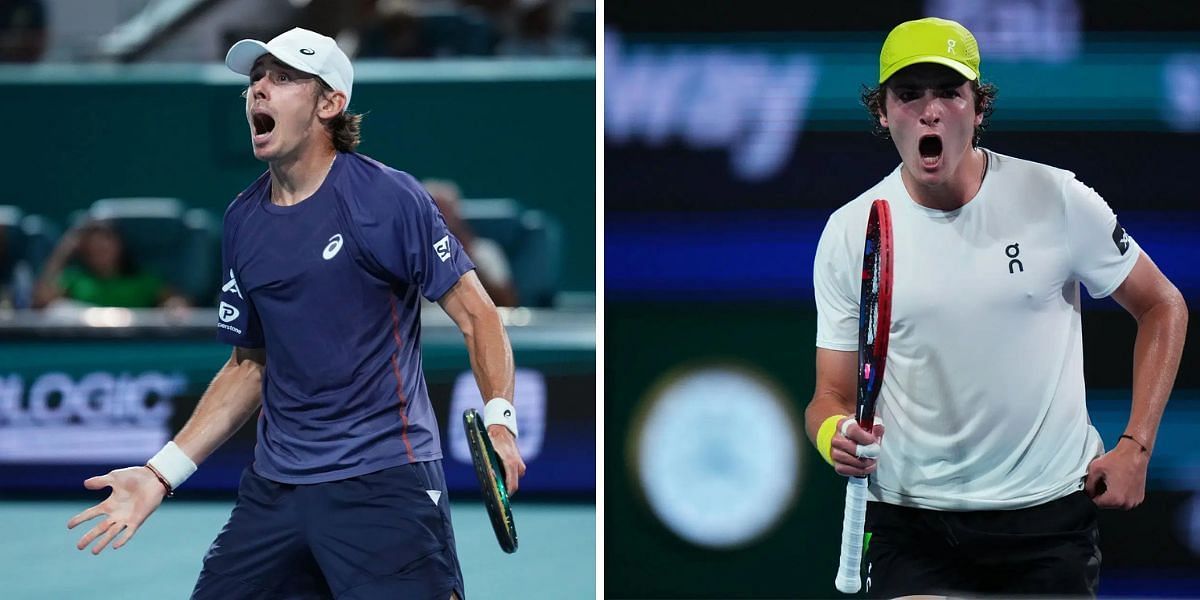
(717, 454)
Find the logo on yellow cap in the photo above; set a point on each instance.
(921, 41)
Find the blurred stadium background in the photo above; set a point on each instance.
(730, 135)
(122, 110)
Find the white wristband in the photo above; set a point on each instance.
(499, 411)
(173, 464)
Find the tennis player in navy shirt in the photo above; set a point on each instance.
(325, 260)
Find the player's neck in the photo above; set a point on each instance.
(296, 178)
(961, 188)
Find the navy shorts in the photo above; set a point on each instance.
(382, 535)
(1047, 550)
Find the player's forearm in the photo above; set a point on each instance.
(1156, 356)
(234, 394)
(491, 355)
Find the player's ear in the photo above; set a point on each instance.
(881, 107)
(980, 103)
(331, 104)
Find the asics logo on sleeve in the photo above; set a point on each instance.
(442, 247)
(334, 246)
(232, 286)
(227, 312)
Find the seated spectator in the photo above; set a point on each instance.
(491, 264)
(91, 266)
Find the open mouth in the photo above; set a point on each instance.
(263, 123)
(930, 148)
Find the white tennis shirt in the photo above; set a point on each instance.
(983, 392)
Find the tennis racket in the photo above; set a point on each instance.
(490, 472)
(874, 323)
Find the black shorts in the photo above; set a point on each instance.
(1050, 549)
(380, 535)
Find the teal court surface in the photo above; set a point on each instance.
(38, 559)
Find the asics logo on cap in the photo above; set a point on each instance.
(307, 51)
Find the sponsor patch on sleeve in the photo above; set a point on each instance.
(442, 247)
(231, 285)
(227, 312)
(1121, 239)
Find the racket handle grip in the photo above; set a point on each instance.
(853, 525)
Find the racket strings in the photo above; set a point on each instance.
(870, 292)
(870, 310)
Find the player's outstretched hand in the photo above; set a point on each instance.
(855, 454)
(506, 448)
(136, 492)
(1117, 479)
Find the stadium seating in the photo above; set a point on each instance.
(498, 219)
(182, 246)
(12, 250)
(531, 239)
(537, 258)
(459, 33)
(41, 235)
(25, 243)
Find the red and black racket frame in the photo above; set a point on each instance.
(872, 350)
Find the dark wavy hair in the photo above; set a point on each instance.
(875, 101)
(345, 128)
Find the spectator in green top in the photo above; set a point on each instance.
(92, 266)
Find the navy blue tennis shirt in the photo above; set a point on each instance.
(331, 288)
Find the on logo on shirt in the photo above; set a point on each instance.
(442, 247)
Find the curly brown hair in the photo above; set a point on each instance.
(345, 128)
(875, 101)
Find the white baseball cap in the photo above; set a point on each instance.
(301, 49)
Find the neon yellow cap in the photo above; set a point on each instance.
(929, 40)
